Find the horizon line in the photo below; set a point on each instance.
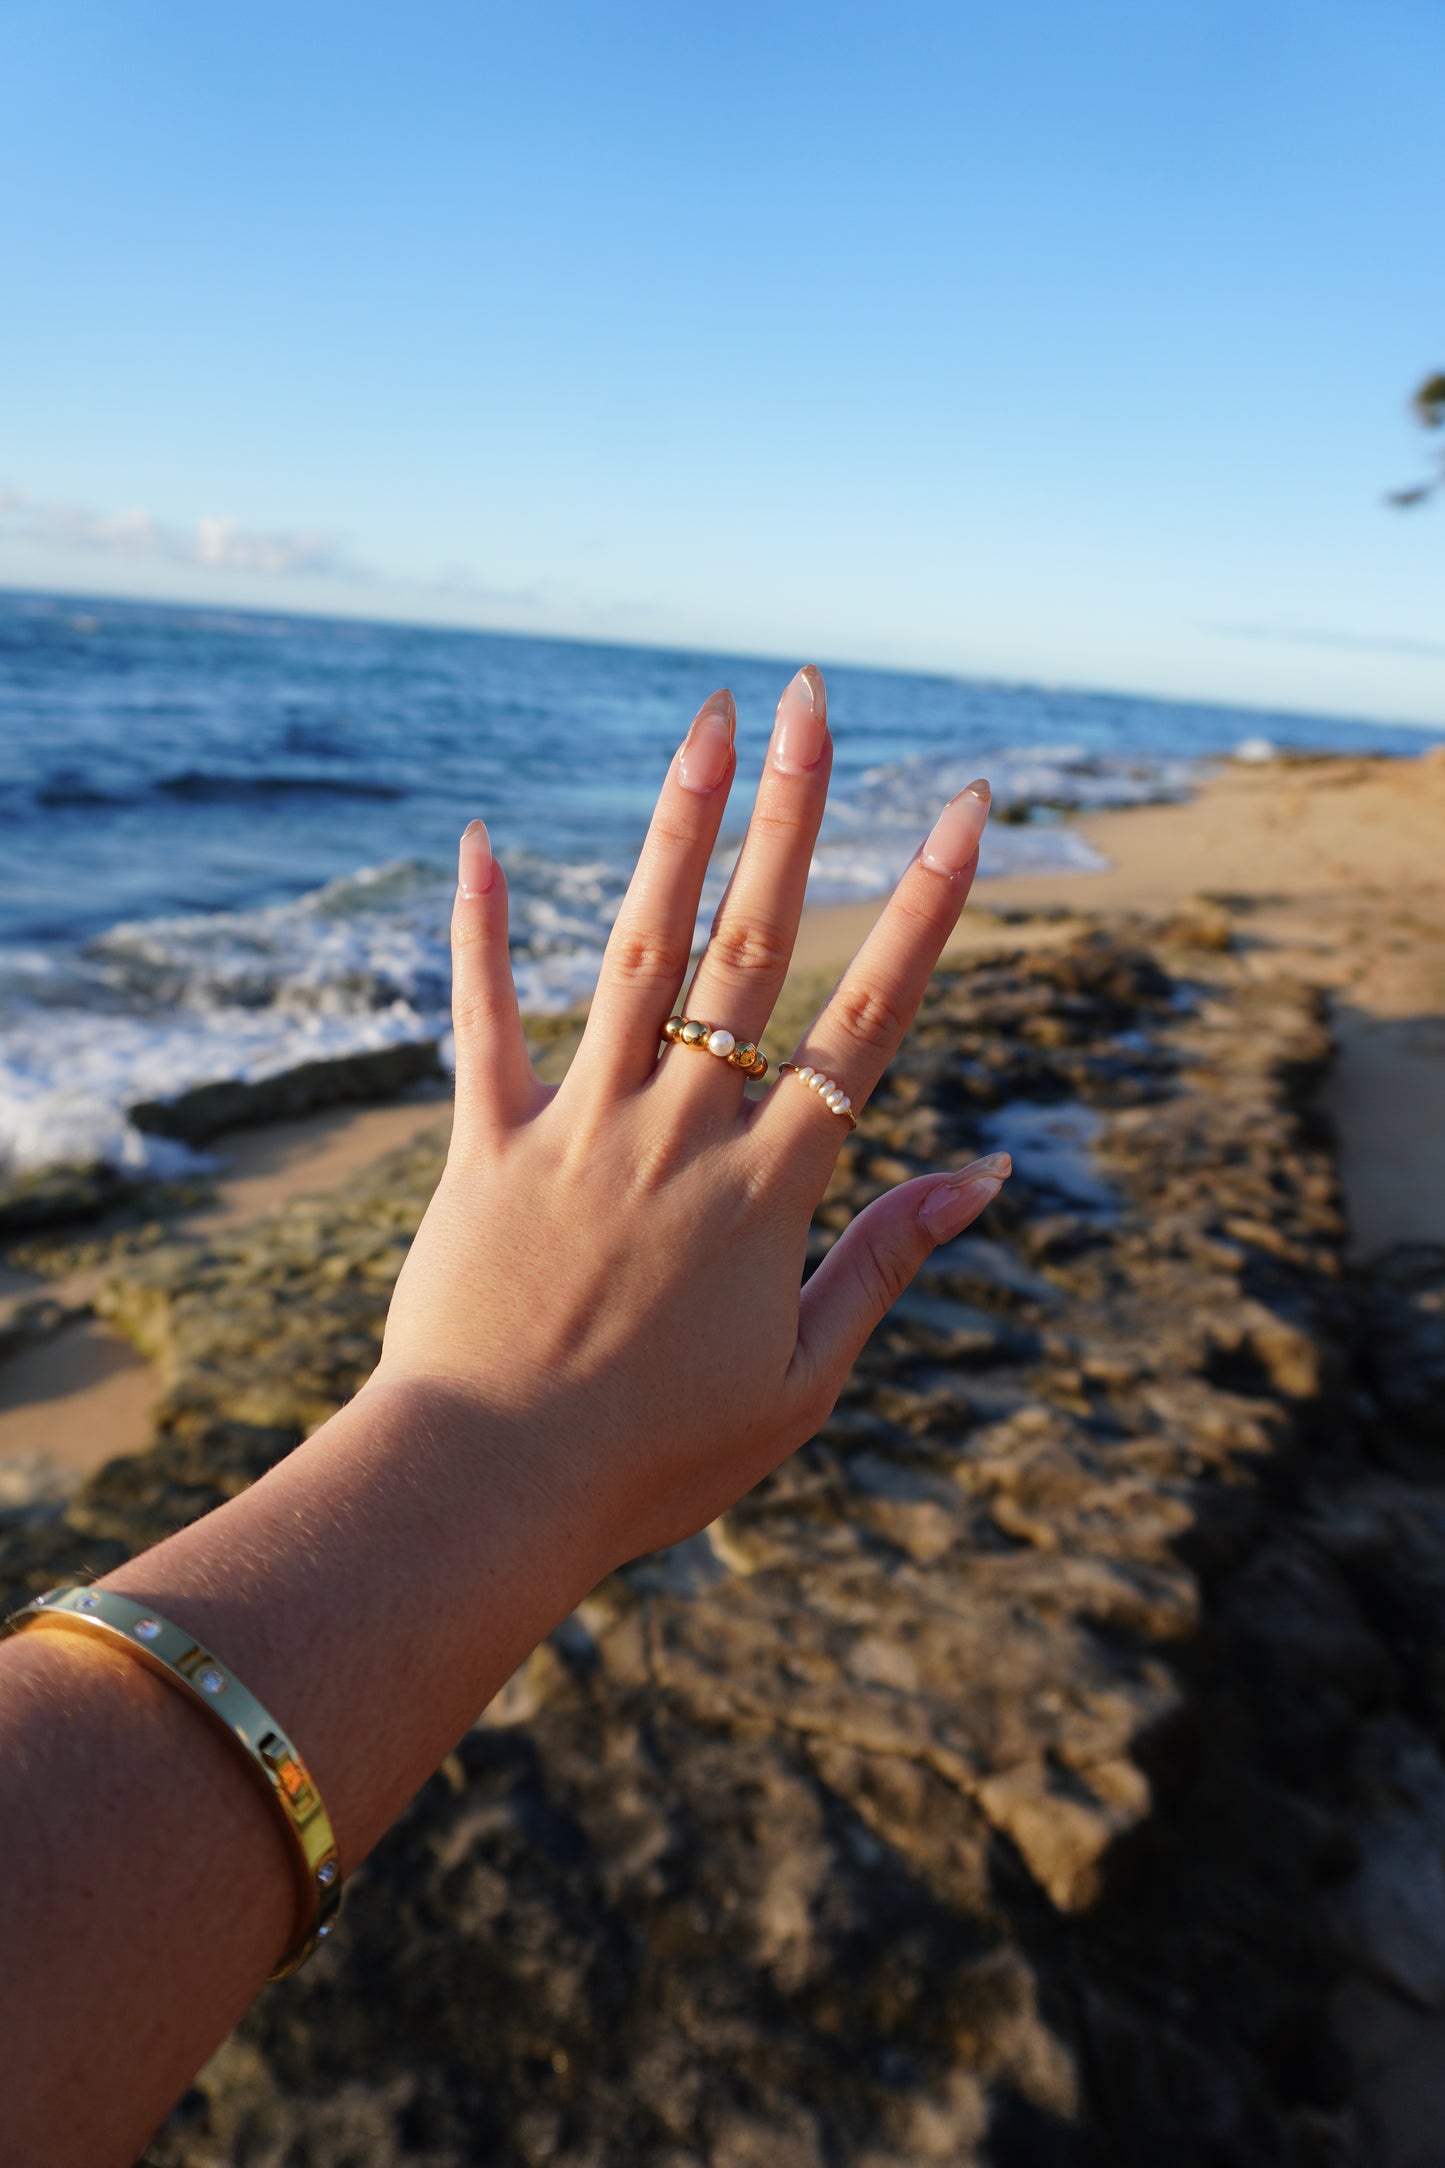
(722, 652)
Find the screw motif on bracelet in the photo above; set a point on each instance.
(171, 1652)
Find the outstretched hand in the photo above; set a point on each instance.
(611, 1269)
(600, 1339)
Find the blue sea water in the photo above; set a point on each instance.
(227, 841)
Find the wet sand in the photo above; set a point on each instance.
(1338, 868)
(1334, 870)
(83, 1394)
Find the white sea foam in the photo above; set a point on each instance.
(153, 1008)
(871, 831)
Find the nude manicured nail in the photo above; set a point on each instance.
(956, 832)
(707, 748)
(800, 734)
(956, 1201)
(474, 860)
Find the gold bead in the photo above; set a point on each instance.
(743, 1055)
(759, 1067)
(672, 1029)
(693, 1033)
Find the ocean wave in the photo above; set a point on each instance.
(68, 1079)
(198, 786)
(872, 829)
(72, 793)
(153, 1007)
(65, 793)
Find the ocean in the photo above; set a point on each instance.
(227, 840)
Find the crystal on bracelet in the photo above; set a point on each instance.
(146, 1629)
(326, 1873)
(212, 1680)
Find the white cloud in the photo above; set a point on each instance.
(215, 542)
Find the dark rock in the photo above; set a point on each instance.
(992, 1785)
(55, 1196)
(234, 1103)
(1405, 1347)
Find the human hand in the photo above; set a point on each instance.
(610, 1272)
(597, 1343)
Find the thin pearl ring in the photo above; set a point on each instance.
(829, 1091)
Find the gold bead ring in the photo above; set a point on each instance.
(829, 1091)
(712, 1039)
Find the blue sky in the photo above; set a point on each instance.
(1039, 341)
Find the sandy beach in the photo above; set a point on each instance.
(1333, 870)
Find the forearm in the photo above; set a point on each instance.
(374, 1591)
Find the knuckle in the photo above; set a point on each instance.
(817, 1400)
(868, 1017)
(761, 1180)
(882, 1275)
(469, 931)
(774, 823)
(474, 1014)
(669, 835)
(641, 958)
(749, 945)
(923, 903)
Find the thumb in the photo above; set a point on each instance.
(872, 1262)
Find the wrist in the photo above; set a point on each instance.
(381, 1584)
(527, 1470)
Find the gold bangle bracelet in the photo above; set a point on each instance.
(173, 1655)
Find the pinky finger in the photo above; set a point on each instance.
(496, 1088)
(872, 1262)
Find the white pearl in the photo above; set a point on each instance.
(807, 1075)
(721, 1043)
(817, 1081)
(831, 1098)
(844, 1106)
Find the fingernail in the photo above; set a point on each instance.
(474, 860)
(955, 834)
(956, 1201)
(800, 734)
(707, 748)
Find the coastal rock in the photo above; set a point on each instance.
(205, 1110)
(1405, 1322)
(26, 1321)
(990, 1785)
(53, 1196)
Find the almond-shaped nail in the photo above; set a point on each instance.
(955, 1202)
(707, 748)
(800, 734)
(474, 860)
(955, 834)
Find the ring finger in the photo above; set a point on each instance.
(746, 960)
(861, 1025)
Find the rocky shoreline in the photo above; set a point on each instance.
(1043, 1767)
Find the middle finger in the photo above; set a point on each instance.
(751, 943)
